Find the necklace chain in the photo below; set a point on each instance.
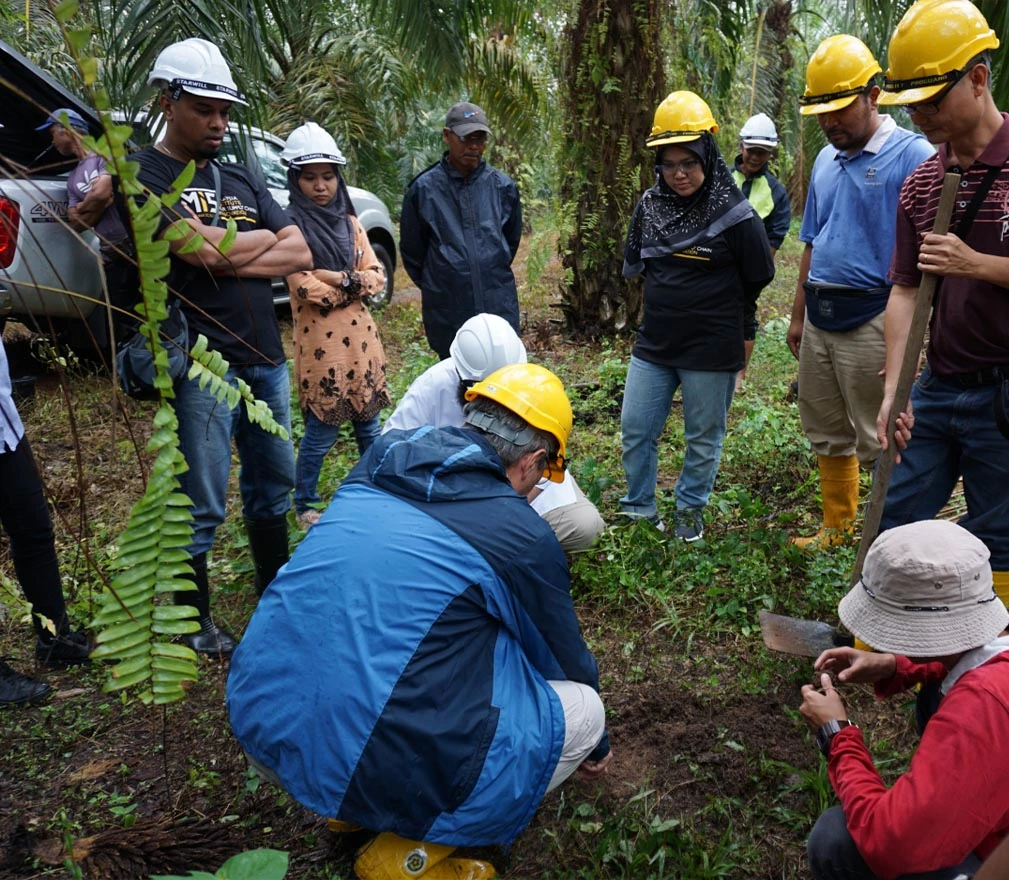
(164, 148)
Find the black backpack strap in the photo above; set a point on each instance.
(967, 220)
(217, 191)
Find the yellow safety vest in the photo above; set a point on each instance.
(757, 190)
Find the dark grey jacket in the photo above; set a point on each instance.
(458, 237)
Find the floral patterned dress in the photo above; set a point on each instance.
(338, 356)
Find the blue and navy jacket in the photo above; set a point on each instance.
(395, 672)
(458, 236)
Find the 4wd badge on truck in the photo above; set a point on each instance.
(48, 211)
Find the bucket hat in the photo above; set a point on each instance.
(925, 591)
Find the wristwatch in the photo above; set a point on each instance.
(826, 733)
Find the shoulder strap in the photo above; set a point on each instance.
(967, 220)
(217, 191)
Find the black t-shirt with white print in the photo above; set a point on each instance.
(239, 320)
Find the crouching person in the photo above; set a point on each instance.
(483, 344)
(417, 668)
(925, 593)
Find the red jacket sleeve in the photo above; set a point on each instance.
(907, 675)
(951, 801)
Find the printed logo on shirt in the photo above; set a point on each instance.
(698, 252)
(870, 174)
(88, 181)
(1004, 218)
(203, 203)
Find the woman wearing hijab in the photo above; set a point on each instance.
(338, 357)
(705, 258)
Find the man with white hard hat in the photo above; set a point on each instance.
(758, 143)
(229, 299)
(483, 344)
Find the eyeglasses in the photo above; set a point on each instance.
(930, 108)
(684, 167)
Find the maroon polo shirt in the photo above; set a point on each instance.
(970, 319)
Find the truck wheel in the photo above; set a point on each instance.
(380, 299)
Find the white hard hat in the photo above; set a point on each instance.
(311, 143)
(483, 344)
(759, 131)
(195, 66)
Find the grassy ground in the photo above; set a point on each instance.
(713, 775)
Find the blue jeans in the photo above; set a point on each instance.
(648, 397)
(206, 429)
(833, 855)
(318, 440)
(954, 435)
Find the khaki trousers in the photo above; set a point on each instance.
(840, 389)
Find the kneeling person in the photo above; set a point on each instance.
(925, 594)
(483, 344)
(427, 679)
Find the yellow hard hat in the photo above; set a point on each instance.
(932, 44)
(680, 118)
(537, 396)
(837, 73)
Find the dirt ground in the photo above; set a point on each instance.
(140, 790)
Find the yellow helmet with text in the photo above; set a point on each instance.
(837, 73)
(536, 396)
(680, 118)
(931, 46)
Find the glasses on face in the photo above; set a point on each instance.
(684, 167)
(930, 108)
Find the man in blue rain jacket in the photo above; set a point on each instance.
(417, 667)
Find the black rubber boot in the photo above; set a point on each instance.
(268, 543)
(69, 648)
(211, 640)
(17, 689)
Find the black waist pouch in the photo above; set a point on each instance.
(838, 309)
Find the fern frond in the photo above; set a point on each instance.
(152, 560)
(210, 370)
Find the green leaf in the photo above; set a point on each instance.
(118, 684)
(65, 10)
(257, 864)
(229, 237)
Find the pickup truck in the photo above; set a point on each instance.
(42, 258)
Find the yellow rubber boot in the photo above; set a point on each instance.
(391, 857)
(1001, 579)
(461, 869)
(839, 491)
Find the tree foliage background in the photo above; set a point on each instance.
(570, 86)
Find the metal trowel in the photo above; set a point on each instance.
(802, 638)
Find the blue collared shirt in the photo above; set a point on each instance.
(11, 429)
(851, 209)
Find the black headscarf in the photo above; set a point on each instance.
(328, 230)
(665, 223)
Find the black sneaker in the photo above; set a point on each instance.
(59, 652)
(689, 525)
(211, 640)
(17, 689)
